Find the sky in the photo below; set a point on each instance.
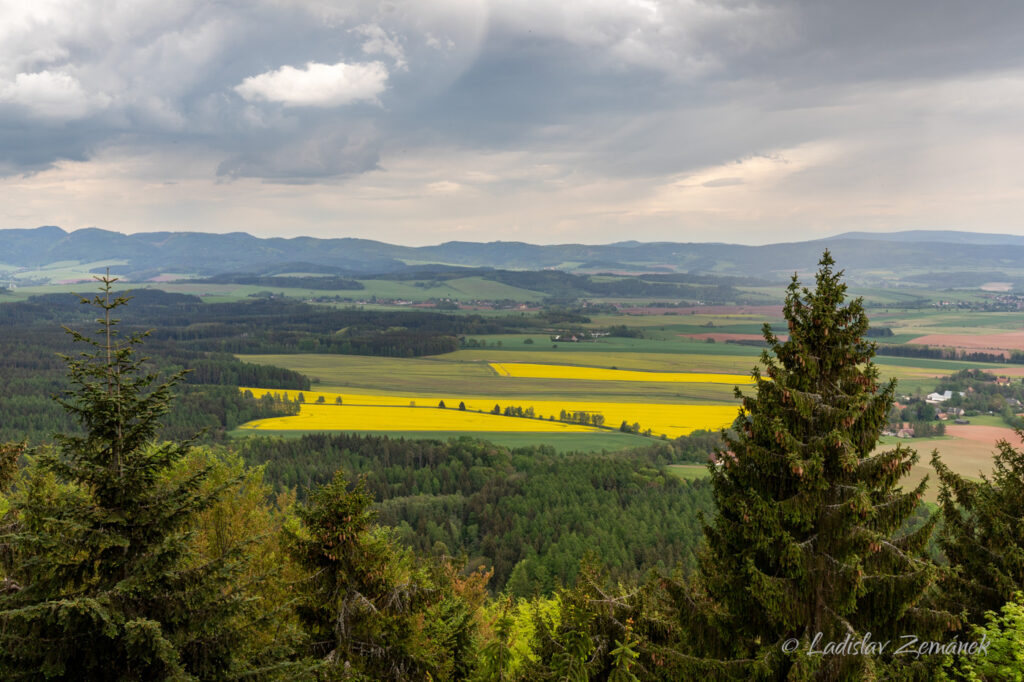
(570, 121)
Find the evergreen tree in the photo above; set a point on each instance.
(372, 611)
(805, 540)
(102, 582)
(983, 532)
(593, 636)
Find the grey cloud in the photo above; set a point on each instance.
(325, 153)
(618, 88)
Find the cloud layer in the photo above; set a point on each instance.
(580, 120)
(317, 85)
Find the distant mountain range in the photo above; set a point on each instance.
(867, 257)
(940, 236)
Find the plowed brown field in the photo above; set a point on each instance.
(968, 453)
(1008, 341)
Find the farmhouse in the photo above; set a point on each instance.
(933, 398)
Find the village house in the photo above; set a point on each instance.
(933, 398)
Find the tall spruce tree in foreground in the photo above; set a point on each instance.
(805, 540)
(104, 586)
(983, 533)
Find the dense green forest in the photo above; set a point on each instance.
(275, 326)
(32, 342)
(189, 334)
(529, 514)
(124, 555)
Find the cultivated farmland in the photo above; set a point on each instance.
(321, 411)
(526, 370)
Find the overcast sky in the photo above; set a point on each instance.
(546, 121)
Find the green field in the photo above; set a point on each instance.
(662, 349)
(463, 288)
(688, 472)
(562, 442)
(458, 376)
(62, 270)
(665, 347)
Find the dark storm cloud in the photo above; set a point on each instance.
(476, 100)
(880, 40)
(596, 66)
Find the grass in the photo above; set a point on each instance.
(947, 366)
(688, 472)
(463, 288)
(597, 441)
(65, 270)
(617, 359)
(447, 376)
(694, 319)
(987, 420)
(607, 344)
(965, 456)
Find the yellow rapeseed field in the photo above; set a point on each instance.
(363, 412)
(526, 370)
(327, 417)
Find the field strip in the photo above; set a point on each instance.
(529, 370)
(412, 412)
(314, 417)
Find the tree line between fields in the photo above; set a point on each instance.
(912, 350)
(123, 556)
(552, 283)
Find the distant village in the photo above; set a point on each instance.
(969, 393)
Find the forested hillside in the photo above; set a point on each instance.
(32, 342)
(186, 333)
(529, 514)
(124, 555)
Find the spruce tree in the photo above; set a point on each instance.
(370, 608)
(983, 533)
(104, 584)
(806, 537)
